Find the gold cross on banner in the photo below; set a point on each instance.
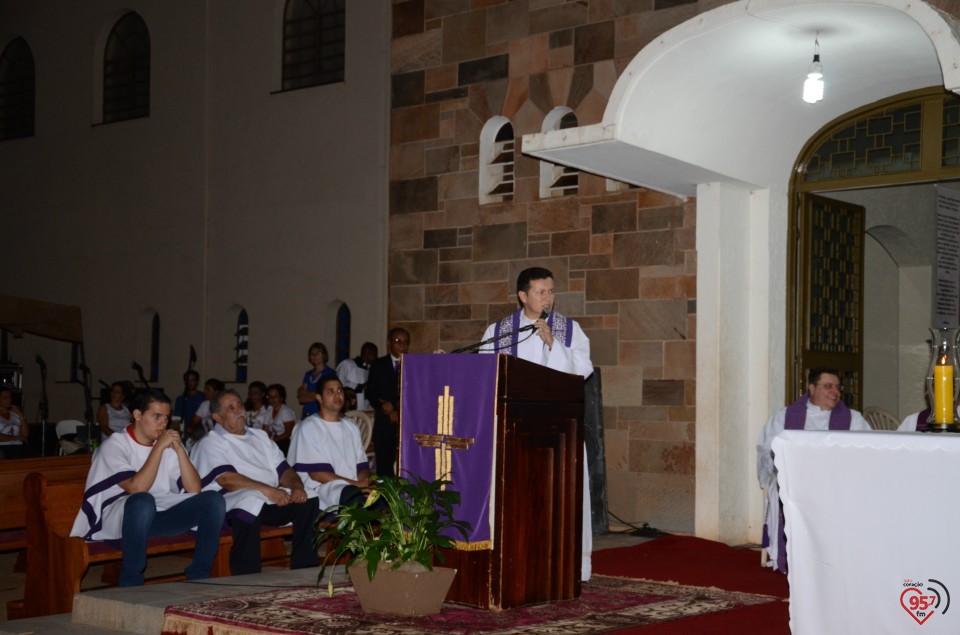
(443, 441)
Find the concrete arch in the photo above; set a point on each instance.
(897, 313)
(681, 110)
(902, 248)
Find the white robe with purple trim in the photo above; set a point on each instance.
(816, 419)
(324, 446)
(119, 458)
(251, 454)
(574, 359)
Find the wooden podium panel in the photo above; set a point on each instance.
(538, 493)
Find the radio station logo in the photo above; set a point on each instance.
(922, 600)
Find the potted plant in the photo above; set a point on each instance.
(393, 537)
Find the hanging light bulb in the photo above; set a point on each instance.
(813, 85)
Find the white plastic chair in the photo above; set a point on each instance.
(363, 421)
(880, 419)
(65, 427)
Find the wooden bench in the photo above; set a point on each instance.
(58, 561)
(13, 508)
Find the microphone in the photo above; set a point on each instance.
(544, 314)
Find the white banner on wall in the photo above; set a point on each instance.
(946, 302)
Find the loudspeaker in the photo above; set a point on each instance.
(596, 463)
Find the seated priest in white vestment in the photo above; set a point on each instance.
(821, 408)
(537, 333)
(257, 484)
(917, 421)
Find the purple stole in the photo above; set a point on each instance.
(796, 416)
(507, 331)
(796, 419)
(922, 420)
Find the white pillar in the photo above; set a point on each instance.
(741, 236)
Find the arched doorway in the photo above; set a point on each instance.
(886, 158)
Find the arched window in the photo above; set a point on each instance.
(242, 347)
(342, 347)
(155, 348)
(126, 70)
(17, 94)
(313, 42)
(496, 161)
(558, 180)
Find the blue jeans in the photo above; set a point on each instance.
(141, 520)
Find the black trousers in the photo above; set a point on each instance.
(386, 442)
(245, 552)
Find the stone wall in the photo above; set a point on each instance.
(624, 260)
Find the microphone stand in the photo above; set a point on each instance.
(44, 406)
(529, 327)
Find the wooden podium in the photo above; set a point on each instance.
(533, 554)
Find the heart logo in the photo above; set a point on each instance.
(919, 604)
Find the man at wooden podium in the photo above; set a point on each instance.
(538, 334)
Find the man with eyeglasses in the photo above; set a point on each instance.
(383, 393)
(821, 408)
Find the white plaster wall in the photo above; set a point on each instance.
(915, 293)
(903, 331)
(881, 329)
(297, 194)
(224, 196)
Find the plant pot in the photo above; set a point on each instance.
(410, 590)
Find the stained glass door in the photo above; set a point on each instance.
(831, 292)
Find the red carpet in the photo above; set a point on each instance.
(704, 563)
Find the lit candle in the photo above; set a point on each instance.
(943, 393)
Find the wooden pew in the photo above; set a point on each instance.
(58, 561)
(13, 509)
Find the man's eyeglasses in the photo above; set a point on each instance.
(839, 387)
(397, 340)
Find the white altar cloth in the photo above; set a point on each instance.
(873, 531)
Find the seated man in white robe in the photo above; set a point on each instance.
(918, 421)
(821, 408)
(141, 484)
(326, 450)
(915, 422)
(257, 484)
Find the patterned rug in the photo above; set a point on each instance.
(606, 604)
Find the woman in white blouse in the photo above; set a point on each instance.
(282, 417)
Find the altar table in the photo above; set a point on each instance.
(873, 531)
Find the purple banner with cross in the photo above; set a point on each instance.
(447, 429)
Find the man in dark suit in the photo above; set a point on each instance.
(384, 396)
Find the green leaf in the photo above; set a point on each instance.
(405, 527)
